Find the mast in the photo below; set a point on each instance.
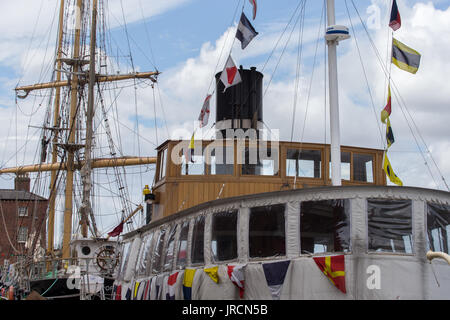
(51, 211)
(86, 208)
(67, 232)
(333, 35)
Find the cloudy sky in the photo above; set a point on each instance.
(188, 41)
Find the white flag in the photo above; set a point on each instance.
(230, 74)
(204, 113)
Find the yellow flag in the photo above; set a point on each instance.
(389, 172)
(213, 273)
(188, 277)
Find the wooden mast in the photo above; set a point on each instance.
(67, 231)
(77, 78)
(51, 211)
(86, 208)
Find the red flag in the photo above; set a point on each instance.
(236, 274)
(386, 112)
(117, 230)
(395, 21)
(334, 268)
(230, 74)
(253, 2)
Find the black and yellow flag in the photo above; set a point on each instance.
(389, 172)
(404, 57)
(389, 134)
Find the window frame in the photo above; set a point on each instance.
(236, 213)
(271, 257)
(413, 236)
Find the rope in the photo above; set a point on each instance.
(402, 105)
(54, 282)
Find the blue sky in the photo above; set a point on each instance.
(186, 39)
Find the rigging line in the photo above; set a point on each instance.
(325, 70)
(322, 19)
(162, 108)
(223, 47)
(154, 112)
(6, 229)
(148, 36)
(283, 51)
(281, 36)
(383, 142)
(31, 41)
(402, 102)
(297, 72)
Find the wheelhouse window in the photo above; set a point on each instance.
(345, 166)
(168, 260)
(192, 165)
(438, 227)
(162, 164)
(144, 254)
(198, 240)
(267, 231)
(304, 163)
(255, 162)
(363, 167)
(221, 161)
(390, 225)
(182, 245)
(157, 254)
(224, 236)
(325, 226)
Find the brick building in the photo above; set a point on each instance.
(21, 212)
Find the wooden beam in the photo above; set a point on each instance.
(99, 78)
(96, 163)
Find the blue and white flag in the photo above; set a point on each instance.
(275, 273)
(245, 31)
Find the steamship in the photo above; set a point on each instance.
(280, 208)
(242, 216)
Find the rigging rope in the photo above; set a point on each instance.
(403, 107)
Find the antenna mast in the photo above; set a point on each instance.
(333, 35)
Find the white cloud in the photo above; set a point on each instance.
(184, 87)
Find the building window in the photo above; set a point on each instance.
(23, 211)
(182, 245)
(438, 227)
(224, 236)
(362, 167)
(345, 165)
(266, 231)
(22, 235)
(198, 240)
(168, 260)
(390, 225)
(324, 226)
(304, 163)
(157, 254)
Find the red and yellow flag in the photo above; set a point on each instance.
(386, 112)
(334, 268)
